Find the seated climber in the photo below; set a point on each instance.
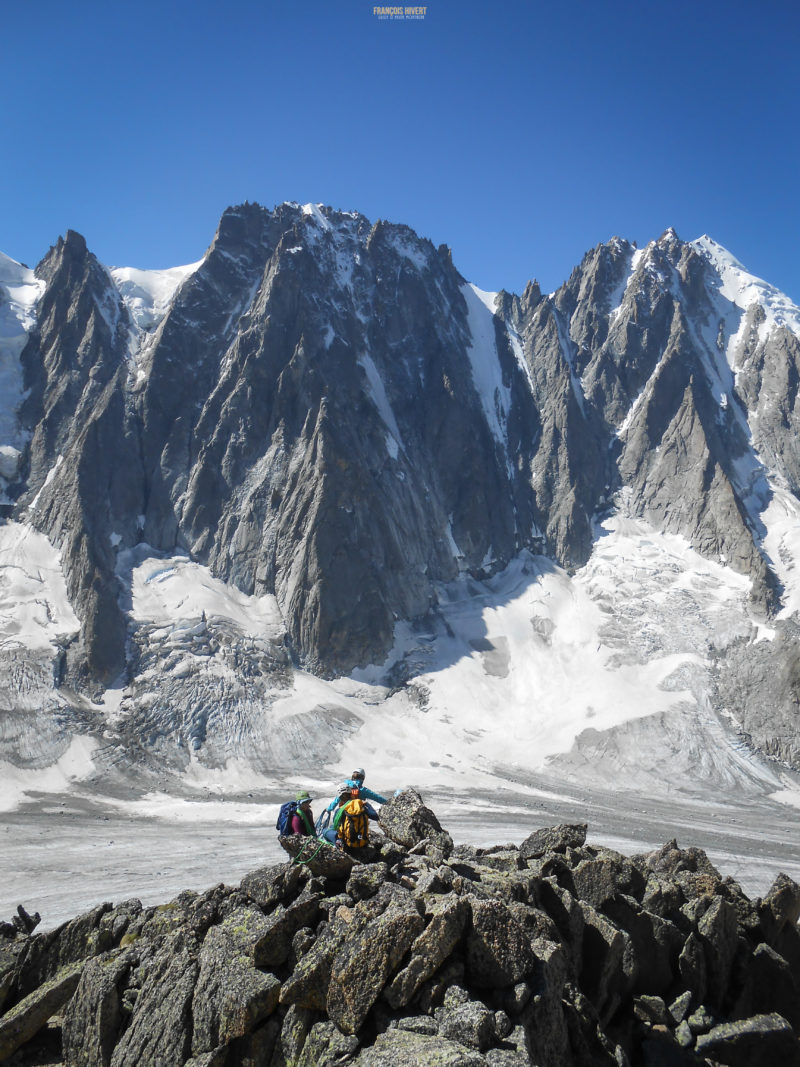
(302, 821)
(327, 828)
(354, 782)
(350, 826)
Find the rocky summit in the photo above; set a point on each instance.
(552, 952)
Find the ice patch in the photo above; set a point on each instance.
(308, 691)
(742, 289)
(411, 252)
(20, 290)
(167, 590)
(567, 346)
(495, 397)
(617, 296)
(314, 211)
(237, 776)
(516, 347)
(10, 459)
(781, 518)
(790, 797)
(74, 766)
(35, 612)
(34, 504)
(377, 393)
(147, 294)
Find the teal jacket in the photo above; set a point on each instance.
(363, 792)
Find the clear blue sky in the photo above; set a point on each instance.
(519, 133)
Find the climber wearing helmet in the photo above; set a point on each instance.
(356, 779)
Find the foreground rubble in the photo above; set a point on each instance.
(553, 953)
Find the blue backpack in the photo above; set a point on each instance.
(283, 825)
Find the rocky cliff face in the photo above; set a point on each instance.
(553, 952)
(304, 419)
(323, 410)
(327, 411)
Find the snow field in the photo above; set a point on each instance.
(35, 612)
(147, 294)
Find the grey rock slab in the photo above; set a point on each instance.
(498, 951)
(94, 1016)
(680, 1006)
(719, 931)
(780, 906)
(684, 1035)
(656, 944)
(652, 1010)
(326, 1046)
(506, 860)
(567, 914)
(69, 943)
(231, 996)
(502, 1025)
(25, 1019)
(218, 1057)
(12, 951)
(319, 857)
(365, 961)
(160, 1029)
(602, 974)
(701, 1020)
(295, 1028)
(761, 1041)
(307, 987)
(273, 885)
(430, 949)
(419, 1024)
(402, 1048)
(366, 879)
(407, 820)
(553, 839)
(501, 1057)
(662, 896)
(693, 968)
(470, 1024)
(769, 985)
(272, 945)
(599, 880)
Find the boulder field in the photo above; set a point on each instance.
(553, 952)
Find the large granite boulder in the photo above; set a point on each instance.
(365, 962)
(407, 820)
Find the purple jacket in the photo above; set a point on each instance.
(299, 825)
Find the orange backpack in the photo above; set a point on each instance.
(352, 824)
